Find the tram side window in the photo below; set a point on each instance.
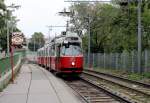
(49, 50)
(53, 50)
(58, 50)
(46, 50)
(43, 53)
(38, 54)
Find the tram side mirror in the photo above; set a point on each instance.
(79, 32)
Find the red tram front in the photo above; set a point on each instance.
(63, 54)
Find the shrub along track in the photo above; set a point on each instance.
(135, 91)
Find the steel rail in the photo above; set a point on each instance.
(122, 85)
(113, 94)
(123, 89)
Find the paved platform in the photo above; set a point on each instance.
(36, 85)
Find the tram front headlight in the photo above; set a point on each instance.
(73, 63)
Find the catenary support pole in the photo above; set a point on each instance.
(89, 43)
(139, 37)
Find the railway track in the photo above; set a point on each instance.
(120, 78)
(93, 93)
(135, 91)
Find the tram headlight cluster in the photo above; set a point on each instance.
(73, 63)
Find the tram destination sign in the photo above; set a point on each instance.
(17, 38)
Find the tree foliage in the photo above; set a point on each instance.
(113, 25)
(37, 41)
(5, 18)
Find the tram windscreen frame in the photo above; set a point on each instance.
(71, 49)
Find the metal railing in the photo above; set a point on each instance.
(119, 61)
(5, 64)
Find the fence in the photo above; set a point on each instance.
(5, 64)
(119, 61)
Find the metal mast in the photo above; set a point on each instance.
(139, 36)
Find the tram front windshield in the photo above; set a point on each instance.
(71, 50)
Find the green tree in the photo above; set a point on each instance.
(113, 26)
(36, 41)
(101, 17)
(5, 17)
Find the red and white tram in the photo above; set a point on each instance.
(63, 54)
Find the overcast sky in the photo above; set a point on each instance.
(35, 15)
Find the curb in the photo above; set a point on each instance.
(4, 80)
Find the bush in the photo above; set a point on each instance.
(146, 75)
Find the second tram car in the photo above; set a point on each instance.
(63, 54)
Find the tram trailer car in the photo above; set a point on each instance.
(63, 54)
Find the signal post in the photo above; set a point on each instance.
(17, 39)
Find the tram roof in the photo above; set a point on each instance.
(62, 38)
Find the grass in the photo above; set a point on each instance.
(135, 76)
(1, 89)
(144, 77)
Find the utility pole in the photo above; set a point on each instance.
(67, 26)
(34, 44)
(49, 30)
(139, 37)
(89, 42)
(8, 38)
